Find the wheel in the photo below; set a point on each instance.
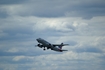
(44, 49)
(48, 48)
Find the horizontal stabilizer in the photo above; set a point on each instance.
(64, 50)
(59, 44)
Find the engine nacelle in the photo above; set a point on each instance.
(39, 45)
(51, 46)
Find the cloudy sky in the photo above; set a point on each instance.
(80, 23)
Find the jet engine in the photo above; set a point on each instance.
(39, 45)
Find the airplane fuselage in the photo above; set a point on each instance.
(44, 43)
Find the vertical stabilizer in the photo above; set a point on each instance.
(61, 46)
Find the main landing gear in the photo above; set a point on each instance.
(44, 49)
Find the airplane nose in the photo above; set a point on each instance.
(37, 39)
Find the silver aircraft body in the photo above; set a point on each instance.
(56, 47)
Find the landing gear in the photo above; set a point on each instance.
(44, 49)
(48, 48)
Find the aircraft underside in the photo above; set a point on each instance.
(46, 45)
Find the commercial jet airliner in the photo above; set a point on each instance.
(56, 47)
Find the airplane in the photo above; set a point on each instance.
(56, 47)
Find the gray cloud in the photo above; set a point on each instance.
(88, 49)
(5, 2)
(81, 8)
(59, 8)
(3, 14)
(22, 22)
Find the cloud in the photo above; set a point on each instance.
(2, 2)
(12, 50)
(88, 49)
(59, 8)
(58, 25)
(56, 21)
(17, 58)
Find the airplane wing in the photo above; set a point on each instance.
(59, 44)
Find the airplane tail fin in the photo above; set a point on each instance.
(61, 46)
